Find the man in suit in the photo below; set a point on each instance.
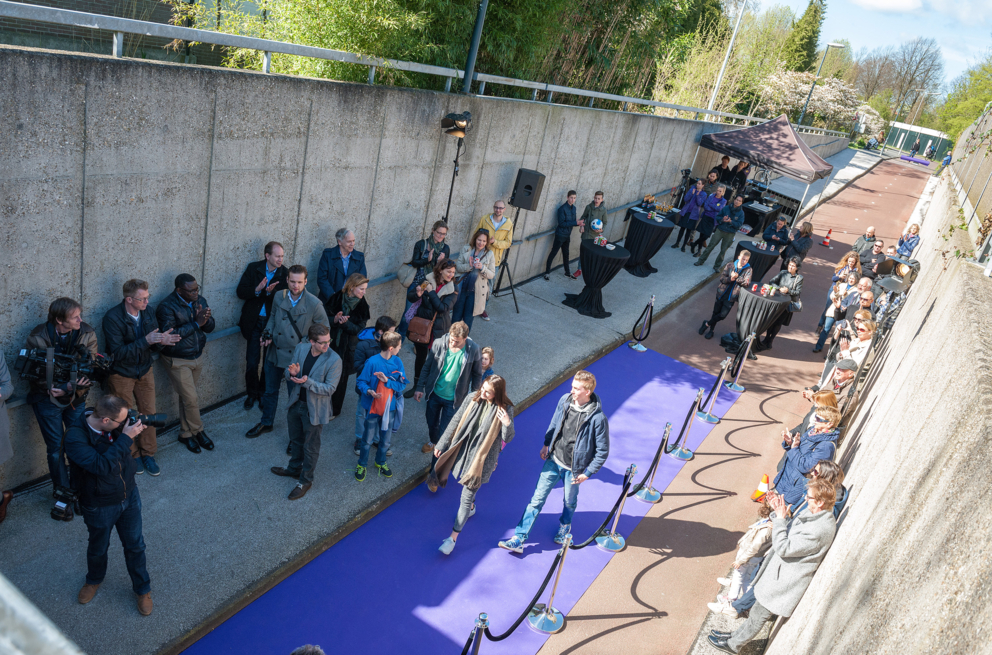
(131, 334)
(292, 313)
(259, 284)
(338, 264)
(313, 375)
(186, 313)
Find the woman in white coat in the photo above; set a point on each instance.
(478, 264)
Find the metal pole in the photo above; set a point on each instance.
(682, 453)
(548, 620)
(799, 209)
(635, 342)
(820, 68)
(473, 50)
(708, 414)
(613, 542)
(734, 386)
(481, 624)
(649, 494)
(726, 59)
(454, 174)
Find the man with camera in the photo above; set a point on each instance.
(294, 310)
(186, 312)
(130, 334)
(258, 286)
(57, 403)
(99, 449)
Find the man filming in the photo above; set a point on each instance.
(58, 406)
(99, 449)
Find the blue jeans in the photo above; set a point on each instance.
(465, 305)
(53, 421)
(126, 517)
(828, 324)
(439, 413)
(270, 399)
(373, 432)
(550, 475)
(746, 601)
(360, 415)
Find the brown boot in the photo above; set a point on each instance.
(87, 593)
(427, 448)
(145, 604)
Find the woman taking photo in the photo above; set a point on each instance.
(478, 262)
(840, 291)
(437, 296)
(348, 312)
(799, 246)
(470, 448)
(791, 282)
(848, 263)
(689, 214)
(426, 254)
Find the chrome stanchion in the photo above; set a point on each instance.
(481, 624)
(734, 386)
(635, 342)
(682, 453)
(545, 618)
(649, 494)
(614, 541)
(708, 414)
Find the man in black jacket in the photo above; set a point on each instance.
(186, 312)
(99, 450)
(259, 283)
(130, 334)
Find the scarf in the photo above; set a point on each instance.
(348, 304)
(477, 446)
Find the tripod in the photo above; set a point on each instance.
(505, 268)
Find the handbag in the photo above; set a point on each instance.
(406, 274)
(421, 330)
(796, 306)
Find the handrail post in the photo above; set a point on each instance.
(266, 62)
(118, 44)
(649, 494)
(682, 453)
(614, 542)
(481, 624)
(708, 414)
(546, 619)
(372, 75)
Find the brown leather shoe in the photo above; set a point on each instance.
(299, 491)
(427, 448)
(87, 593)
(145, 604)
(278, 470)
(7, 497)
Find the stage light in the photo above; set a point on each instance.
(457, 125)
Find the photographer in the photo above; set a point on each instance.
(186, 312)
(58, 406)
(99, 448)
(258, 286)
(130, 333)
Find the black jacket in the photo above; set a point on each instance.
(254, 273)
(173, 312)
(102, 466)
(433, 303)
(344, 336)
(131, 352)
(419, 260)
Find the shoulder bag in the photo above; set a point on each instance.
(421, 330)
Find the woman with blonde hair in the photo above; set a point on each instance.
(799, 246)
(909, 241)
(348, 312)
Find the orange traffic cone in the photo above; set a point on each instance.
(826, 242)
(762, 489)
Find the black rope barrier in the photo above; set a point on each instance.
(642, 320)
(713, 389)
(682, 432)
(544, 585)
(599, 530)
(647, 476)
(468, 644)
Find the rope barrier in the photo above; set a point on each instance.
(650, 472)
(713, 389)
(599, 530)
(684, 432)
(645, 322)
(468, 644)
(544, 585)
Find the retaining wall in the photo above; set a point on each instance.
(112, 169)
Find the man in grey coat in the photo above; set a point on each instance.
(294, 310)
(313, 376)
(798, 547)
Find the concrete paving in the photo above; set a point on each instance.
(849, 164)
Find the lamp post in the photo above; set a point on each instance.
(730, 47)
(820, 68)
(473, 49)
(455, 125)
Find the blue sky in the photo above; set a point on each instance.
(963, 28)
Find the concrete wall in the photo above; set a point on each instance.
(112, 169)
(910, 570)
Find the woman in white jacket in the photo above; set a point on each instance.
(478, 263)
(752, 548)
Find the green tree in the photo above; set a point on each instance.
(800, 49)
(970, 92)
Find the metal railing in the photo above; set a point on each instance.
(121, 26)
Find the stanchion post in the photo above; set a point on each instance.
(682, 453)
(708, 414)
(734, 386)
(481, 624)
(546, 619)
(614, 541)
(649, 494)
(635, 342)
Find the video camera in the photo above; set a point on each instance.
(65, 498)
(32, 365)
(151, 420)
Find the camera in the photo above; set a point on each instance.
(151, 420)
(266, 335)
(65, 498)
(32, 366)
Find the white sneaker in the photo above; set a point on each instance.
(723, 582)
(722, 608)
(447, 546)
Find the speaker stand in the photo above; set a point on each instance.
(505, 268)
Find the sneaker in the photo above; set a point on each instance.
(702, 328)
(150, 465)
(563, 531)
(484, 316)
(447, 546)
(723, 582)
(723, 598)
(547, 276)
(384, 470)
(577, 274)
(389, 453)
(360, 473)
(722, 608)
(358, 448)
(514, 544)
(139, 466)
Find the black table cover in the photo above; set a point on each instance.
(756, 313)
(644, 239)
(761, 260)
(599, 266)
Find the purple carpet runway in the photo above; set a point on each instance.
(385, 588)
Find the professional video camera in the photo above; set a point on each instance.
(32, 365)
(65, 498)
(151, 420)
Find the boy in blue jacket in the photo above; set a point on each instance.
(368, 346)
(387, 368)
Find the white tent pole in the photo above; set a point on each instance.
(795, 219)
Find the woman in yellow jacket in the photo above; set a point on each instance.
(500, 229)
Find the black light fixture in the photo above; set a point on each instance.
(455, 125)
(896, 274)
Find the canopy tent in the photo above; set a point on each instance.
(774, 145)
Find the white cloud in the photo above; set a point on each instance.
(966, 12)
(895, 6)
